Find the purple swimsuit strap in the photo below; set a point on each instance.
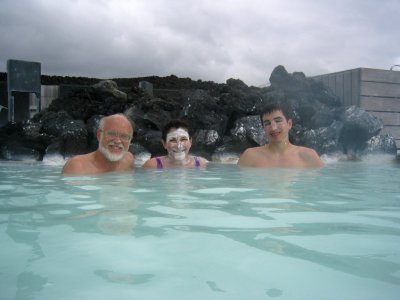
(197, 161)
(159, 163)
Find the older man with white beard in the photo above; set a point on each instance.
(114, 135)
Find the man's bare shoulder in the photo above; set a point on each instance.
(250, 156)
(77, 164)
(129, 158)
(254, 150)
(310, 156)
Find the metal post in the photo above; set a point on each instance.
(10, 107)
(39, 97)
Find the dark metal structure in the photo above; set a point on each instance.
(22, 76)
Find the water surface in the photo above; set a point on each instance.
(220, 233)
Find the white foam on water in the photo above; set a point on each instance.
(268, 200)
(142, 191)
(368, 158)
(91, 207)
(45, 180)
(89, 187)
(82, 196)
(54, 160)
(222, 190)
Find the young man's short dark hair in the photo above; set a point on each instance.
(173, 124)
(285, 107)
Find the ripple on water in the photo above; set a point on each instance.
(221, 190)
(268, 200)
(182, 197)
(79, 178)
(274, 292)
(61, 198)
(59, 212)
(201, 201)
(207, 178)
(7, 187)
(91, 207)
(45, 180)
(89, 187)
(142, 191)
(82, 196)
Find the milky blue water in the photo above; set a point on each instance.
(220, 233)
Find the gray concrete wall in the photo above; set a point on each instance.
(48, 93)
(376, 91)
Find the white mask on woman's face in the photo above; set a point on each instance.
(179, 155)
(177, 135)
(177, 140)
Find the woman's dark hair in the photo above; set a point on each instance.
(174, 124)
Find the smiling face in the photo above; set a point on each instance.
(276, 127)
(177, 144)
(114, 137)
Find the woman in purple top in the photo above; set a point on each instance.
(177, 142)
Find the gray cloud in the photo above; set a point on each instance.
(203, 39)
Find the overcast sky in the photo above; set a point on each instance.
(201, 39)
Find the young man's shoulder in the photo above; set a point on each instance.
(310, 156)
(254, 150)
(250, 156)
(305, 151)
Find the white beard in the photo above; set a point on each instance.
(110, 156)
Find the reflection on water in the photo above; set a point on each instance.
(220, 233)
(124, 278)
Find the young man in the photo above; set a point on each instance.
(177, 142)
(114, 136)
(279, 152)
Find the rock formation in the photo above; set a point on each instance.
(223, 118)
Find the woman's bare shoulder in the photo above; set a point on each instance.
(150, 163)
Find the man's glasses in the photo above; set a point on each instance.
(113, 135)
